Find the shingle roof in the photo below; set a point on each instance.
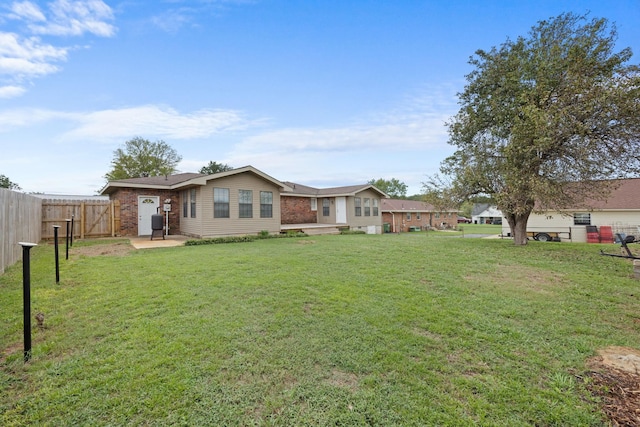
(625, 196)
(478, 208)
(401, 205)
(160, 180)
(304, 190)
(182, 180)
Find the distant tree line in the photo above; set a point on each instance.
(5, 182)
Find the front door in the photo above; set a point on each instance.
(147, 206)
(341, 210)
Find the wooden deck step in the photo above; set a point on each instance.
(320, 230)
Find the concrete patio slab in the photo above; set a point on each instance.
(145, 242)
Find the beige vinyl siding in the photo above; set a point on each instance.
(557, 222)
(331, 219)
(363, 222)
(188, 225)
(234, 225)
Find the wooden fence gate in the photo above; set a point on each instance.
(91, 218)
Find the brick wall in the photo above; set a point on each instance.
(400, 223)
(297, 210)
(128, 198)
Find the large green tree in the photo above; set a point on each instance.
(546, 121)
(5, 182)
(215, 167)
(392, 187)
(140, 157)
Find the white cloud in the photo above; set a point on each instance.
(28, 117)
(27, 10)
(66, 17)
(403, 143)
(417, 124)
(171, 21)
(116, 124)
(11, 91)
(20, 57)
(402, 134)
(24, 58)
(162, 122)
(187, 13)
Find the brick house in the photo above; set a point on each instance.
(356, 207)
(240, 201)
(151, 192)
(412, 215)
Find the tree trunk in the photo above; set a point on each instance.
(518, 226)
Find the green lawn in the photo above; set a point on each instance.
(410, 329)
(480, 228)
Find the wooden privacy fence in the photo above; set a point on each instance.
(91, 218)
(20, 221)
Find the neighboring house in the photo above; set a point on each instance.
(239, 201)
(356, 207)
(407, 215)
(620, 211)
(483, 213)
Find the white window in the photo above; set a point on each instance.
(221, 203)
(245, 203)
(581, 219)
(266, 204)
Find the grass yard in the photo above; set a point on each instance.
(412, 329)
(480, 229)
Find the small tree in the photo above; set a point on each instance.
(392, 187)
(214, 167)
(5, 182)
(543, 113)
(141, 157)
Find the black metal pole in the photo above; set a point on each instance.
(68, 221)
(55, 245)
(71, 241)
(26, 297)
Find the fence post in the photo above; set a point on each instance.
(26, 297)
(67, 240)
(55, 245)
(71, 241)
(83, 207)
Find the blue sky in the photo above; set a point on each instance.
(323, 93)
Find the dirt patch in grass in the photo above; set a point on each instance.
(121, 248)
(614, 378)
(11, 349)
(523, 278)
(343, 380)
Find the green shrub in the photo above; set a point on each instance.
(346, 231)
(216, 240)
(241, 239)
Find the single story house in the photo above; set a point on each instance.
(409, 215)
(240, 201)
(620, 211)
(484, 213)
(356, 207)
